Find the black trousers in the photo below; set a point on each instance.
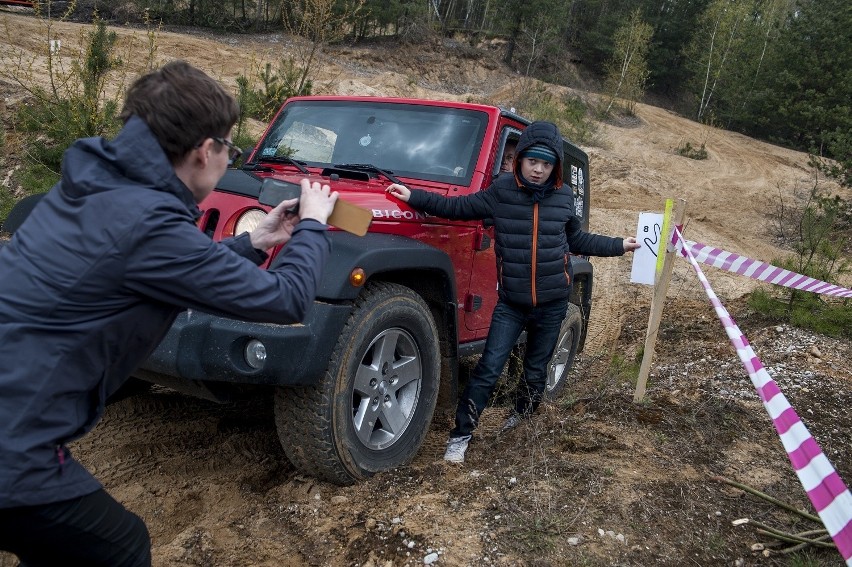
(508, 321)
(91, 530)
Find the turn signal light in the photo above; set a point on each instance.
(357, 277)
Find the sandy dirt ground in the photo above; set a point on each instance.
(594, 479)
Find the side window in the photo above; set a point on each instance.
(505, 159)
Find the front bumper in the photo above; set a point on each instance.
(207, 348)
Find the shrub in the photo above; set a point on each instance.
(808, 311)
(688, 150)
(81, 98)
(571, 114)
(578, 125)
(75, 103)
(274, 88)
(80, 107)
(816, 227)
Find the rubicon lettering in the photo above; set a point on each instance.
(397, 214)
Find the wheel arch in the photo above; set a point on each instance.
(317, 425)
(427, 270)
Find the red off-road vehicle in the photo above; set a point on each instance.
(356, 384)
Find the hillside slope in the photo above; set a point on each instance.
(215, 489)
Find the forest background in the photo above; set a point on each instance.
(777, 70)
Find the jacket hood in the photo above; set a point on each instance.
(95, 165)
(546, 133)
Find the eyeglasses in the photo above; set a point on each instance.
(233, 151)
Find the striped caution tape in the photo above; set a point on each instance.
(761, 270)
(829, 496)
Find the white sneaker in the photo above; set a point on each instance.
(456, 447)
(512, 422)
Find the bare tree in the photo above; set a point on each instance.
(718, 40)
(318, 22)
(627, 71)
(773, 13)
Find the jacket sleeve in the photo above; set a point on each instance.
(241, 244)
(588, 244)
(468, 207)
(174, 262)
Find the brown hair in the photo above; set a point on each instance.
(182, 106)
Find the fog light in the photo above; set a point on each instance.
(255, 353)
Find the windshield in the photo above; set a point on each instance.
(424, 142)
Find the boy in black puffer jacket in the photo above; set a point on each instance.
(535, 229)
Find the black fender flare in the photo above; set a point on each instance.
(423, 268)
(581, 293)
(398, 257)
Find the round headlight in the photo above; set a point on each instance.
(255, 354)
(248, 221)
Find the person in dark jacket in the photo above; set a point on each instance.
(91, 282)
(535, 229)
(507, 164)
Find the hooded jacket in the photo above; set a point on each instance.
(91, 282)
(533, 240)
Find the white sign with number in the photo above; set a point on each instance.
(648, 234)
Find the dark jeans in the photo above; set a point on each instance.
(542, 324)
(90, 530)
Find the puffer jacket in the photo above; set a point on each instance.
(533, 240)
(91, 282)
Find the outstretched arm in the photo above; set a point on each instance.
(590, 244)
(466, 207)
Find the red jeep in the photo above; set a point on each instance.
(356, 384)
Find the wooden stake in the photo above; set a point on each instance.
(661, 287)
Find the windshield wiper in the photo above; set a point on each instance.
(284, 159)
(253, 166)
(369, 167)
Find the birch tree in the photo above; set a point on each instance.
(717, 42)
(319, 22)
(627, 71)
(533, 33)
(759, 33)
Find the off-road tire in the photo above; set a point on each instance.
(563, 355)
(317, 424)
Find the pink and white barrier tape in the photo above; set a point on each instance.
(829, 496)
(760, 270)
